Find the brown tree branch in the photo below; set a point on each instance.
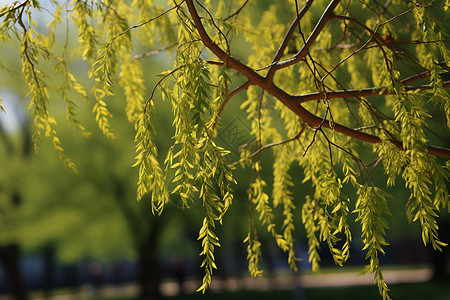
(363, 92)
(215, 25)
(291, 30)
(415, 77)
(230, 61)
(230, 95)
(326, 16)
(289, 100)
(154, 52)
(20, 6)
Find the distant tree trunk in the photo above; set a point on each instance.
(441, 260)
(146, 233)
(49, 268)
(10, 258)
(10, 254)
(150, 273)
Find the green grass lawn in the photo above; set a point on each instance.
(416, 291)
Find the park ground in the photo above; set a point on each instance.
(348, 284)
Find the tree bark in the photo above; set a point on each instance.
(10, 258)
(441, 260)
(146, 231)
(150, 273)
(49, 268)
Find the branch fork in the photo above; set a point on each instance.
(293, 102)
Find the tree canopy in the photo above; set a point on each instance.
(338, 88)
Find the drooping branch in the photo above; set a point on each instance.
(289, 100)
(356, 158)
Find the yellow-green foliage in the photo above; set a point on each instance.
(389, 64)
(370, 207)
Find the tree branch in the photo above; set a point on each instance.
(326, 16)
(363, 92)
(22, 5)
(289, 100)
(144, 23)
(158, 83)
(154, 52)
(415, 77)
(229, 61)
(291, 30)
(230, 95)
(237, 11)
(267, 146)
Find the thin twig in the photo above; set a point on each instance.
(373, 91)
(237, 12)
(267, 146)
(317, 129)
(415, 77)
(360, 162)
(154, 52)
(326, 16)
(214, 63)
(237, 90)
(158, 83)
(144, 23)
(217, 27)
(291, 31)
